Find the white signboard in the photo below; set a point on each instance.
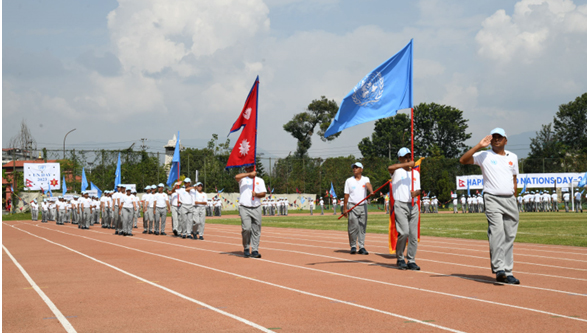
(534, 180)
(39, 176)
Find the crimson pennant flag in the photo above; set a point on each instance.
(245, 149)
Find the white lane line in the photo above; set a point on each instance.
(387, 254)
(321, 271)
(422, 250)
(229, 273)
(338, 234)
(242, 320)
(64, 322)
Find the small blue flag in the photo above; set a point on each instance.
(583, 181)
(384, 91)
(525, 183)
(117, 177)
(94, 187)
(84, 180)
(50, 193)
(303, 200)
(64, 188)
(175, 165)
(332, 193)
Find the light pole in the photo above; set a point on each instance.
(65, 137)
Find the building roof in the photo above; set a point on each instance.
(20, 163)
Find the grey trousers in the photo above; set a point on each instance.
(357, 225)
(406, 223)
(455, 208)
(187, 216)
(175, 217)
(148, 219)
(199, 220)
(251, 227)
(95, 216)
(44, 216)
(86, 217)
(567, 205)
(117, 218)
(322, 210)
(62, 217)
(135, 217)
(127, 214)
(160, 217)
(311, 210)
(503, 218)
(52, 214)
(578, 206)
(34, 214)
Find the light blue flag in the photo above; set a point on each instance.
(384, 91)
(117, 175)
(84, 180)
(525, 183)
(94, 187)
(50, 193)
(175, 165)
(332, 190)
(64, 185)
(583, 181)
(303, 200)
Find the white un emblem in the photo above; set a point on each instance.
(369, 90)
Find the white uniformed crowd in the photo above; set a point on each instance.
(272, 207)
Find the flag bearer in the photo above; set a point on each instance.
(406, 212)
(355, 190)
(500, 172)
(250, 210)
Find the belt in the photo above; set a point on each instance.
(249, 207)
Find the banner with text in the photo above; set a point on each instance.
(39, 176)
(534, 180)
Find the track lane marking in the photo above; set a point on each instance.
(224, 272)
(64, 322)
(242, 320)
(321, 271)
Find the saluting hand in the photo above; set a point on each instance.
(486, 141)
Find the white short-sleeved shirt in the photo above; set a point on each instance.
(566, 196)
(554, 197)
(498, 171)
(356, 189)
(127, 201)
(401, 181)
(161, 199)
(246, 191)
(578, 196)
(174, 199)
(185, 198)
(201, 197)
(321, 202)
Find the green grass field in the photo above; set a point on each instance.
(540, 228)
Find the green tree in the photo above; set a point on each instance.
(438, 130)
(439, 127)
(570, 124)
(545, 147)
(319, 113)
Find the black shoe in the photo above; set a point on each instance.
(255, 254)
(501, 277)
(175, 232)
(189, 236)
(184, 236)
(201, 237)
(144, 232)
(163, 234)
(129, 234)
(157, 233)
(247, 253)
(135, 227)
(116, 232)
(512, 280)
(363, 251)
(412, 266)
(401, 264)
(353, 250)
(150, 232)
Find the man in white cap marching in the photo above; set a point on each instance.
(355, 190)
(186, 210)
(161, 206)
(500, 172)
(405, 208)
(252, 190)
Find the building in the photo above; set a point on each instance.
(169, 150)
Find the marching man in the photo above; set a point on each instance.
(406, 212)
(355, 190)
(250, 209)
(500, 172)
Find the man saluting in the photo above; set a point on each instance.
(500, 172)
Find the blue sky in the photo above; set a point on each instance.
(123, 70)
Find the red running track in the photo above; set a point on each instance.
(306, 281)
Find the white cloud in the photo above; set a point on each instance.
(530, 30)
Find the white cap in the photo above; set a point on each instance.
(161, 185)
(187, 180)
(403, 152)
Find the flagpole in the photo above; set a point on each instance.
(412, 154)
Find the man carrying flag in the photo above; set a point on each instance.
(355, 192)
(404, 189)
(252, 188)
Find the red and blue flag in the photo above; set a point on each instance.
(245, 150)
